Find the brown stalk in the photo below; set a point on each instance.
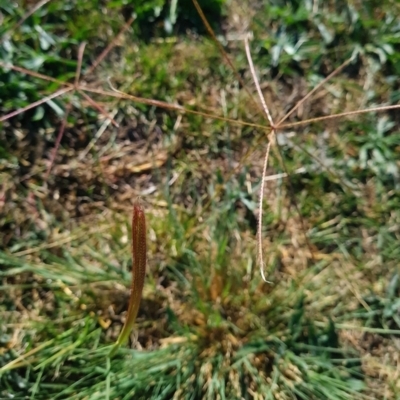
(67, 111)
(110, 46)
(36, 103)
(27, 15)
(34, 74)
(314, 90)
(138, 273)
(99, 108)
(58, 141)
(223, 52)
(116, 94)
(339, 115)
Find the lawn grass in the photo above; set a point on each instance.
(325, 327)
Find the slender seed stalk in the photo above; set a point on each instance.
(138, 272)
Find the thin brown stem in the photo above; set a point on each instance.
(223, 52)
(110, 46)
(35, 104)
(99, 108)
(157, 103)
(340, 115)
(260, 215)
(330, 76)
(79, 65)
(58, 141)
(121, 95)
(264, 173)
(34, 74)
(291, 189)
(257, 84)
(27, 15)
